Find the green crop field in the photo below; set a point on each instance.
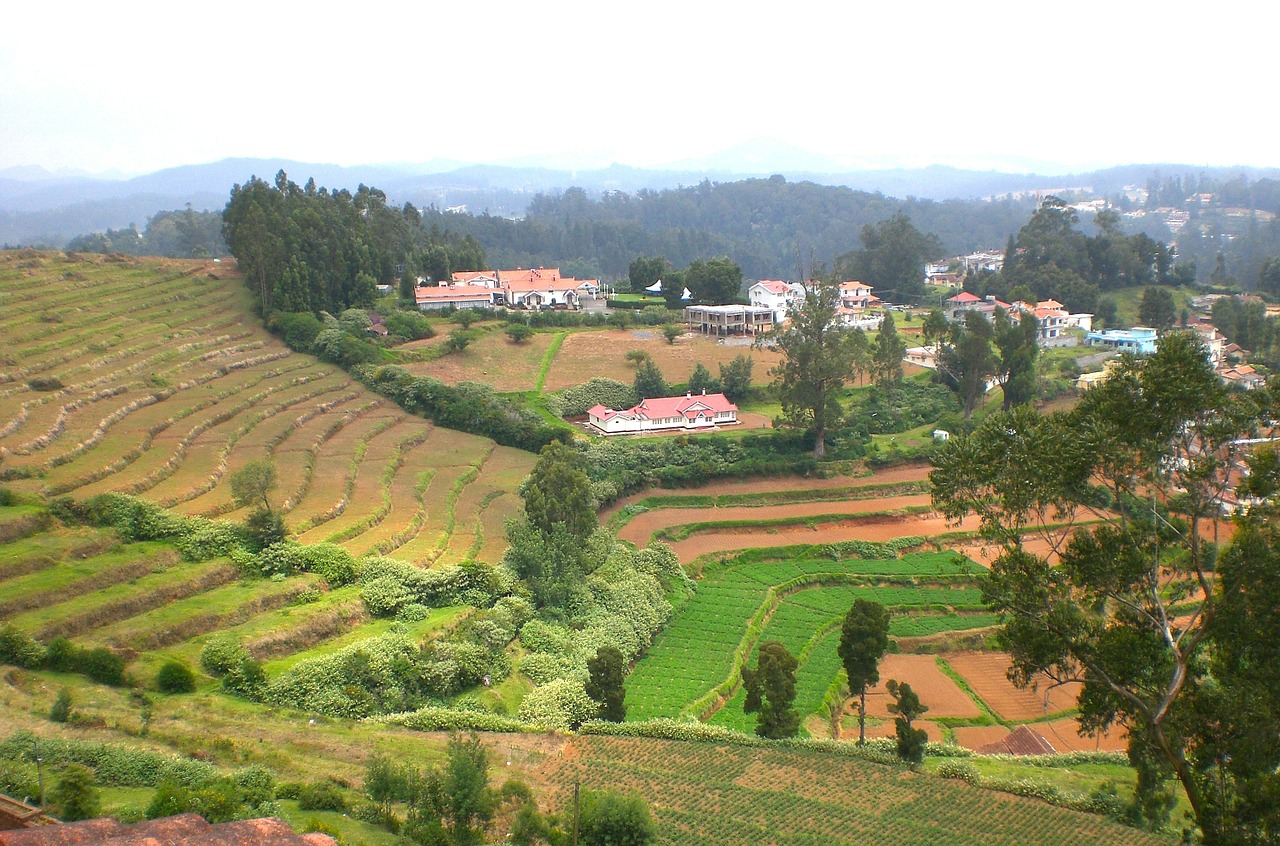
(794, 601)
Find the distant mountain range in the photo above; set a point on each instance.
(47, 209)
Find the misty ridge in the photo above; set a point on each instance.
(758, 205)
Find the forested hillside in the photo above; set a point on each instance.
(768, 226)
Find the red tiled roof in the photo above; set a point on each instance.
(454, 292)
(964, 297)
(661, 407)
(775, 286)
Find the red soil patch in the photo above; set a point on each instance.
(985, 673)
(1064, 736)
(973, 737)
(642, 526)
(886, 728)
(942, 696)
(870, 528)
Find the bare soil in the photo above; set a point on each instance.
(985, 672)
(942, 696)
(869, 528)
(642, 526)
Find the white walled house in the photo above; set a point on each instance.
(775, 295)
(688, 413)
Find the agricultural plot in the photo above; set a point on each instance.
(587, 354)
(700, 794)
(740, 605)
(492, 358)
(153, 377)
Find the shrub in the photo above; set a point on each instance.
(175, 677)
(60, 712)
(297, 329)
(19, 650)
(321, 796)
(221, 654)
(75, 795)
(102, 665)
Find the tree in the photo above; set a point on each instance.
(469, 801)
(864, 639)
(886, 356)
(1269, 277)
(701, 380)
(967, 363)
(935, 327)
(1157, 308)
(671, 331)
(735, 377)
(817, 359)
(1126, 605)
(716, 280)
(251, 484)
(614, 819)
(643, 271)
(557, 492)
(75, 795)
(771, 690)
(649, 381)
(908, 708)
(605, 674)
(892, 258)
(1018, 345)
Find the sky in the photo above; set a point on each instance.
(1010, 86)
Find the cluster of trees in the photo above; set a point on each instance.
(309, 249)
(715, 280)
(977, 352)
(1130, 586)
(1051, 258)
(820, 356)
(177, 234)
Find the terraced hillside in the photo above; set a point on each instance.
(153, 378)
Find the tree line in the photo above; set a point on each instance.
(308, 249)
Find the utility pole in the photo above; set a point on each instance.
(576, 785)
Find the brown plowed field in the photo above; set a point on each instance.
(1065, 738)
(937, 692)
(985, 673)
(975, 737)
(870, 529)
(884, 727)
(642, 526)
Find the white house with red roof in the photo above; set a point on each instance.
(858, 306)
(965, 302)
(536, 287)
(687, 413)
(776, 295)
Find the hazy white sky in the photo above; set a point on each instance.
(1010, 85)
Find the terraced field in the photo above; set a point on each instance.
(153, 377)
